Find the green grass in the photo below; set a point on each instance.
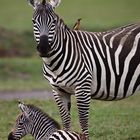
(22, 74)
(15, 15)
(96, 14)
(100, 14)
(108, 120)
(16, 44)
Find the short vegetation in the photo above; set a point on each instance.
(20, 65)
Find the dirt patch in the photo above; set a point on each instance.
(26, 95)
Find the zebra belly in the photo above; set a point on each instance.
(63, 90)
(103, 94)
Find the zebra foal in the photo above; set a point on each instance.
(34, 121)
(89, 65)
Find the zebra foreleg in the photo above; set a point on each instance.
(63, 101)
(83, 104)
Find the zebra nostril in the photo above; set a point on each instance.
(43, 46)
(11, 137)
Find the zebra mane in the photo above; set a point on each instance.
(120, 28)
(36, 109)
(61, 21)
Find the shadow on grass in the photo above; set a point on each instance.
(133, 138)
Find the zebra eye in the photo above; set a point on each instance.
(21, 123)
(54, 22)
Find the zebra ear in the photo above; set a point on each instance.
(33, 3)
(55, 3)
(23, 108)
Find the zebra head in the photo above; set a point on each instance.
(23, 123)
(44, 22)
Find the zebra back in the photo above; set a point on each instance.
(66, 135)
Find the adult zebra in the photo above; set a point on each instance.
(91, 65)
(32, 120)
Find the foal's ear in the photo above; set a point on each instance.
(33, 3)
(23, 108)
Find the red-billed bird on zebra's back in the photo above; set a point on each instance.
(77, 24)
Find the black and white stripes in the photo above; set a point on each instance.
(34, 121)
(65, 135)
(119, 63)
(97, 65)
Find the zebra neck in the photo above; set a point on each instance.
(56, 33)
(43, 127)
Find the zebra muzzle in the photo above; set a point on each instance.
(43, 46)
(11, 137)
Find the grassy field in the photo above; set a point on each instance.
(96, 14)
(108, 120)
(22, 74)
